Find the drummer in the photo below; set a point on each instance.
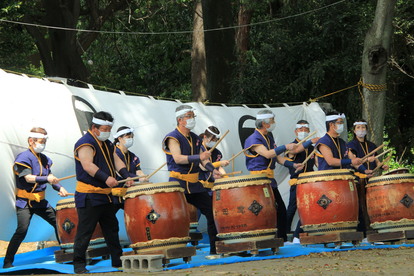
(33, 172)
(210, 137)
(332, 149)
(124, 139)
(301, 132)
(362, 146)
(261, 156)
(184, 154)
(96, 166)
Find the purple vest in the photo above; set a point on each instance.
(363, 149)
(40, 166)
(327, 140)
(256, 162)
(104, 159)
(188, 146)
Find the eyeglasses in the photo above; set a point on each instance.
(190, 116)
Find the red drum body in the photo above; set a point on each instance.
(193, 214)
(390, 202)
(327, 201)
(156, 216)
(244, 209)
(67, 225)
(398, 171)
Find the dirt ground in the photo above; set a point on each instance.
(398, 261)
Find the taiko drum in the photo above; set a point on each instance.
(390, 202)
(156, 216)
(398, 171)
(244, 209)
(327, 201)
(67, 224)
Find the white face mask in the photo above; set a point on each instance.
(38, 148)
(360, 133)
(339, 128)
(210, 144)
(190, 123)
(129, 142)
(103, 136)
(302, 135)
(271, 128)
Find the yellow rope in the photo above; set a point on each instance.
(335, 92)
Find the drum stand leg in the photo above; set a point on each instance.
(405, 236)
(337, 238)
(252, 246)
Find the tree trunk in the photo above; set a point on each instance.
(198, 57)
(374, 68)
(219, 46)
(242, 40)
(61, 50)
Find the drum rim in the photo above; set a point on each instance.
(392, 177)
(242, 182)
(395, 170)
(246, 176)
(316, 176)
(153, 188)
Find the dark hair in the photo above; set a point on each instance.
(116, 140)
(301, 122)
(333, 121)
(208, 134)
(353, 128)
(103, 116)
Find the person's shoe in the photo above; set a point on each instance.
(8, 265)
(213, 256)
(296, 240)
(81, 270)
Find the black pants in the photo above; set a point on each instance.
(281, 215)
(89, 216)
(24, 215)
(291, 210)
(203, 202)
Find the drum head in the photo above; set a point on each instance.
(398, 171)
(326, 175)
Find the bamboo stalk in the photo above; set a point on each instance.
(304, 140)
(218, 142)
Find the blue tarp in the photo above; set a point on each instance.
(43, 261)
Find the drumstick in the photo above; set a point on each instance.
(399, 160)
(67, 177)
(307, 158)
(234, 156)
(385, 152)
(382, 163)
(232, 173)
(154, 172)
(218, 142)
(371, 153)
(132, 178)
(72, 194)
(304, 140)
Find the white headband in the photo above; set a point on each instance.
(183, 111)
(124, 131)
(215, 134)
(302, 125)
(37, 135)
(360, 123)
(101, 122)
(264, 116)
(335, 117)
